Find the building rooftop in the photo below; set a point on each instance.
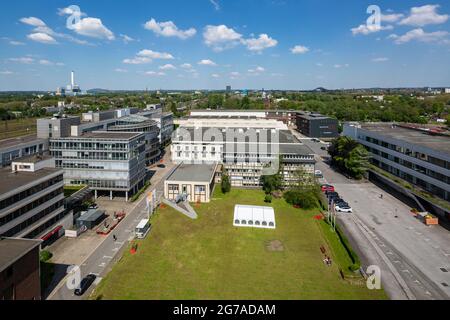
(107, 135)
(13, 142)
(35, 158)
(12, 250)
(312, 116)
(194, 172)
(13, 180)
(421, 137)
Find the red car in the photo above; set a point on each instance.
(327, 188)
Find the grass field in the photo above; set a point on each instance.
(211, 259)
(17, 128)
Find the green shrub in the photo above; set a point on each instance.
(304, 199)
(45, 255)
(226, 184)
(268, 198)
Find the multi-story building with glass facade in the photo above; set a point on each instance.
(111, 162)
(415, 153)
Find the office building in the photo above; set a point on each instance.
(56, 127)
(107, 162)
(315, 125)
(31, 197)
(19, 269)
(15, 148)
(417, 154)
(246, 149)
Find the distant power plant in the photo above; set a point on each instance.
(71, 90)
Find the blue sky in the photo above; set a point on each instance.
(208, 44)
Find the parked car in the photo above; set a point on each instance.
(343, 208)
(318, 174)
(332, 194)
(85, 284)
(162, 166)
(93, 206)
(327, 188)
(324, 148)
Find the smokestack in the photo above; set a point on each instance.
(73, 79)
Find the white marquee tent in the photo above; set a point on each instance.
(254, 217)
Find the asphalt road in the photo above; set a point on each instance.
(108, 252)
(414, 259)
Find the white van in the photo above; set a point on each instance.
(142, 229)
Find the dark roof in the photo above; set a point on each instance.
(34, 158)
(91, 215)
(12, 250)
(18, 141)
(194, 173)
(13, 180)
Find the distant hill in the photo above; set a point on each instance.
(98, 90)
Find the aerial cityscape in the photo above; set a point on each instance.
(225, 150)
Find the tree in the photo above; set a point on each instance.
(448, 121)
(226, 184)
(272, 183)
(349, 156)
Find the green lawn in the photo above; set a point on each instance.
(210, 259)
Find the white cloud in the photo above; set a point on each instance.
(33, 21)
(380, 59)
(186, 66)
(154, 73)
(207, 62)
(93, 27)
(42, 38)
(126, 38)
(299, 49)
(16, 43)
(368, 29)
(169, 29)
(167, 67)
(339, 66)
(121, 70)
(256, 71)
(50, 63)
(42, 28)
(420, 35)
(23, 60)
(216, 4)
(221, 37)
(70, 11)
(319, 64)
(215, 75)
(6, 72)
(391, 17)
(425, 15)
(260, 43)
(234, 75)
(147, 56)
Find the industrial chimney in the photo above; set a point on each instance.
(73, 79)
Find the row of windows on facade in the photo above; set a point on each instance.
(408, 152)
(412, 166)
(29, 192)
(31, 206)
(94, 155)
(89, 146)
(8, 156)
(176, 188)
(35, 218)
